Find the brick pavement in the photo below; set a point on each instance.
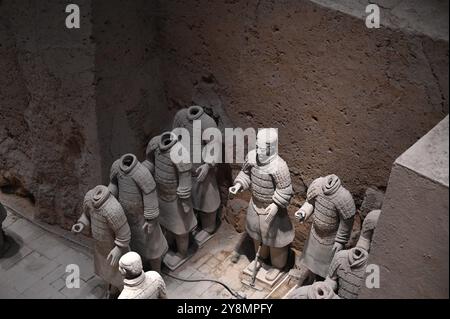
(35, 267)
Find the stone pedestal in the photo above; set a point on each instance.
(202, 237)
(172, 260)
(261, 282)
(410, 244)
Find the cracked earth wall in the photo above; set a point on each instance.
(346, 99)
(48, 131)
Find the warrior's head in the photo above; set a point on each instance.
(267, 144)
(130, 265)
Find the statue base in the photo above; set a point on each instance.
(202, 237)
(283, 288)
(173, 260)
(266, 278)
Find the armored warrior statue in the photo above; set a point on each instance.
(268, 177)
(136, 283)
(347, 270)
(3, 244)
(204, 155)
(134, 186)
(173, 182)
(333, 211)
(318, 290)
(106, 219)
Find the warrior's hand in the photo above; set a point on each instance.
(202, 172)
(235, 188)
(337, 247)
(78, 228)
(304, 212)
(148, 226)
(300, 215)
(114, 256)
(271, 211)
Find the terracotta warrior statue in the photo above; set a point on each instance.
(133, 185)
(173, 183)
(333, 211)
(347, 270)
(205, 190)
(136, 283)
(318, 290)
(267, 175)
(3, 244)
(109, 227)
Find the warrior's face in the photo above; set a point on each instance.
(266, 145)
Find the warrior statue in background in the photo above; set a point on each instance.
(348, 267)
(109, 227)
(333, 210)
(267, 175)
(133, 185)
(205, 190)
(173, 182)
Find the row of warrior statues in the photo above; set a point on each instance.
(152, 205)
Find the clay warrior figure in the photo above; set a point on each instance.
(268, 177)
(133, 184)
(106, 219)
(318, 290)
(173, 183)
(204, 155)
(3, 243)
(333, 210)
(136, 283)
(348, 268)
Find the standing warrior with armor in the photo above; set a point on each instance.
(133, 184)
(110, 230)
(348, 267)
(173, 182)
(333, 211)
(205, 190)
(268, 177)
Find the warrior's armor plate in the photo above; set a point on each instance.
(149, 285)
(348, 270)
(333, 214)
(171, 191)
(109, 227)
(136, 191)
(205, 194)
(269, 183)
